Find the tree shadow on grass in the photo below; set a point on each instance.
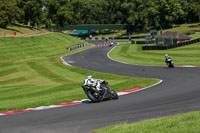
(13, 30)
(22, 26)
(25, 26)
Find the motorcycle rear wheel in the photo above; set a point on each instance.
(172, 65)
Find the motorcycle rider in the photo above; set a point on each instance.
(167, 57)
(89, 81)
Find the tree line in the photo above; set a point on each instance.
(143, 14)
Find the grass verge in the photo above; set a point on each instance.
(133, 54)
(32, 74)
(182, 123)
(185, 28)
(195, 36)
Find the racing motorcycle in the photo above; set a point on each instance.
(170, 63)
(99, 95)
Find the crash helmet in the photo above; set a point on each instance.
(88, 76)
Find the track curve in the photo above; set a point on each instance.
(178, 93)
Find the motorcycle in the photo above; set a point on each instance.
(99, 95)
(170, 63)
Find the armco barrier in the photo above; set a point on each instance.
(170, 46)
(77, 46)
(142, 42)
(118, 38)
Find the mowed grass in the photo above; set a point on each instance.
(32, 74)
(195, 36)
(182, 123)
(133, 54)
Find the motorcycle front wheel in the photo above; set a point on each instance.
(172, 65)
(94, 96)
(114, 95)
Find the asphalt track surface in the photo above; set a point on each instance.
(178, 93)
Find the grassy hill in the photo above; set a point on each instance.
(185, 28)
(32, 74)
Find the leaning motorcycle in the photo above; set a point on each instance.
(170, 63)
(99, 95)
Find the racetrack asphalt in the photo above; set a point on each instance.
(178, 93)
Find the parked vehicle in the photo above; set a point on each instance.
(99, 95)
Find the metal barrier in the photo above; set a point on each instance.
(170, 46)
(112, 38)
(142, 42)
(77, 46)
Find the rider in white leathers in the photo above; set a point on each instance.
(167, 57)
(89, 81)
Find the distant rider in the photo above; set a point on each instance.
(89, 81)
(167, 58)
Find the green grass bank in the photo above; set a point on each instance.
(133, 54)
(185, 28)
(182, 123)
(32, 74)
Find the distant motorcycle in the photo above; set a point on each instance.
(99, 95)
(111, 44)
(170, 63)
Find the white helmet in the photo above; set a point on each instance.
(166, 54)
(88, 77)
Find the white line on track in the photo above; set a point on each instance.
(124, 93)
(45, 107)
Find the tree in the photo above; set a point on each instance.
(4, 18)
(32, 10)
(143, 14)
(152, 19)
(9, 12)
(12, 11)
(51, 7)
(64, 15)
(197, 10)
(92, 12)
